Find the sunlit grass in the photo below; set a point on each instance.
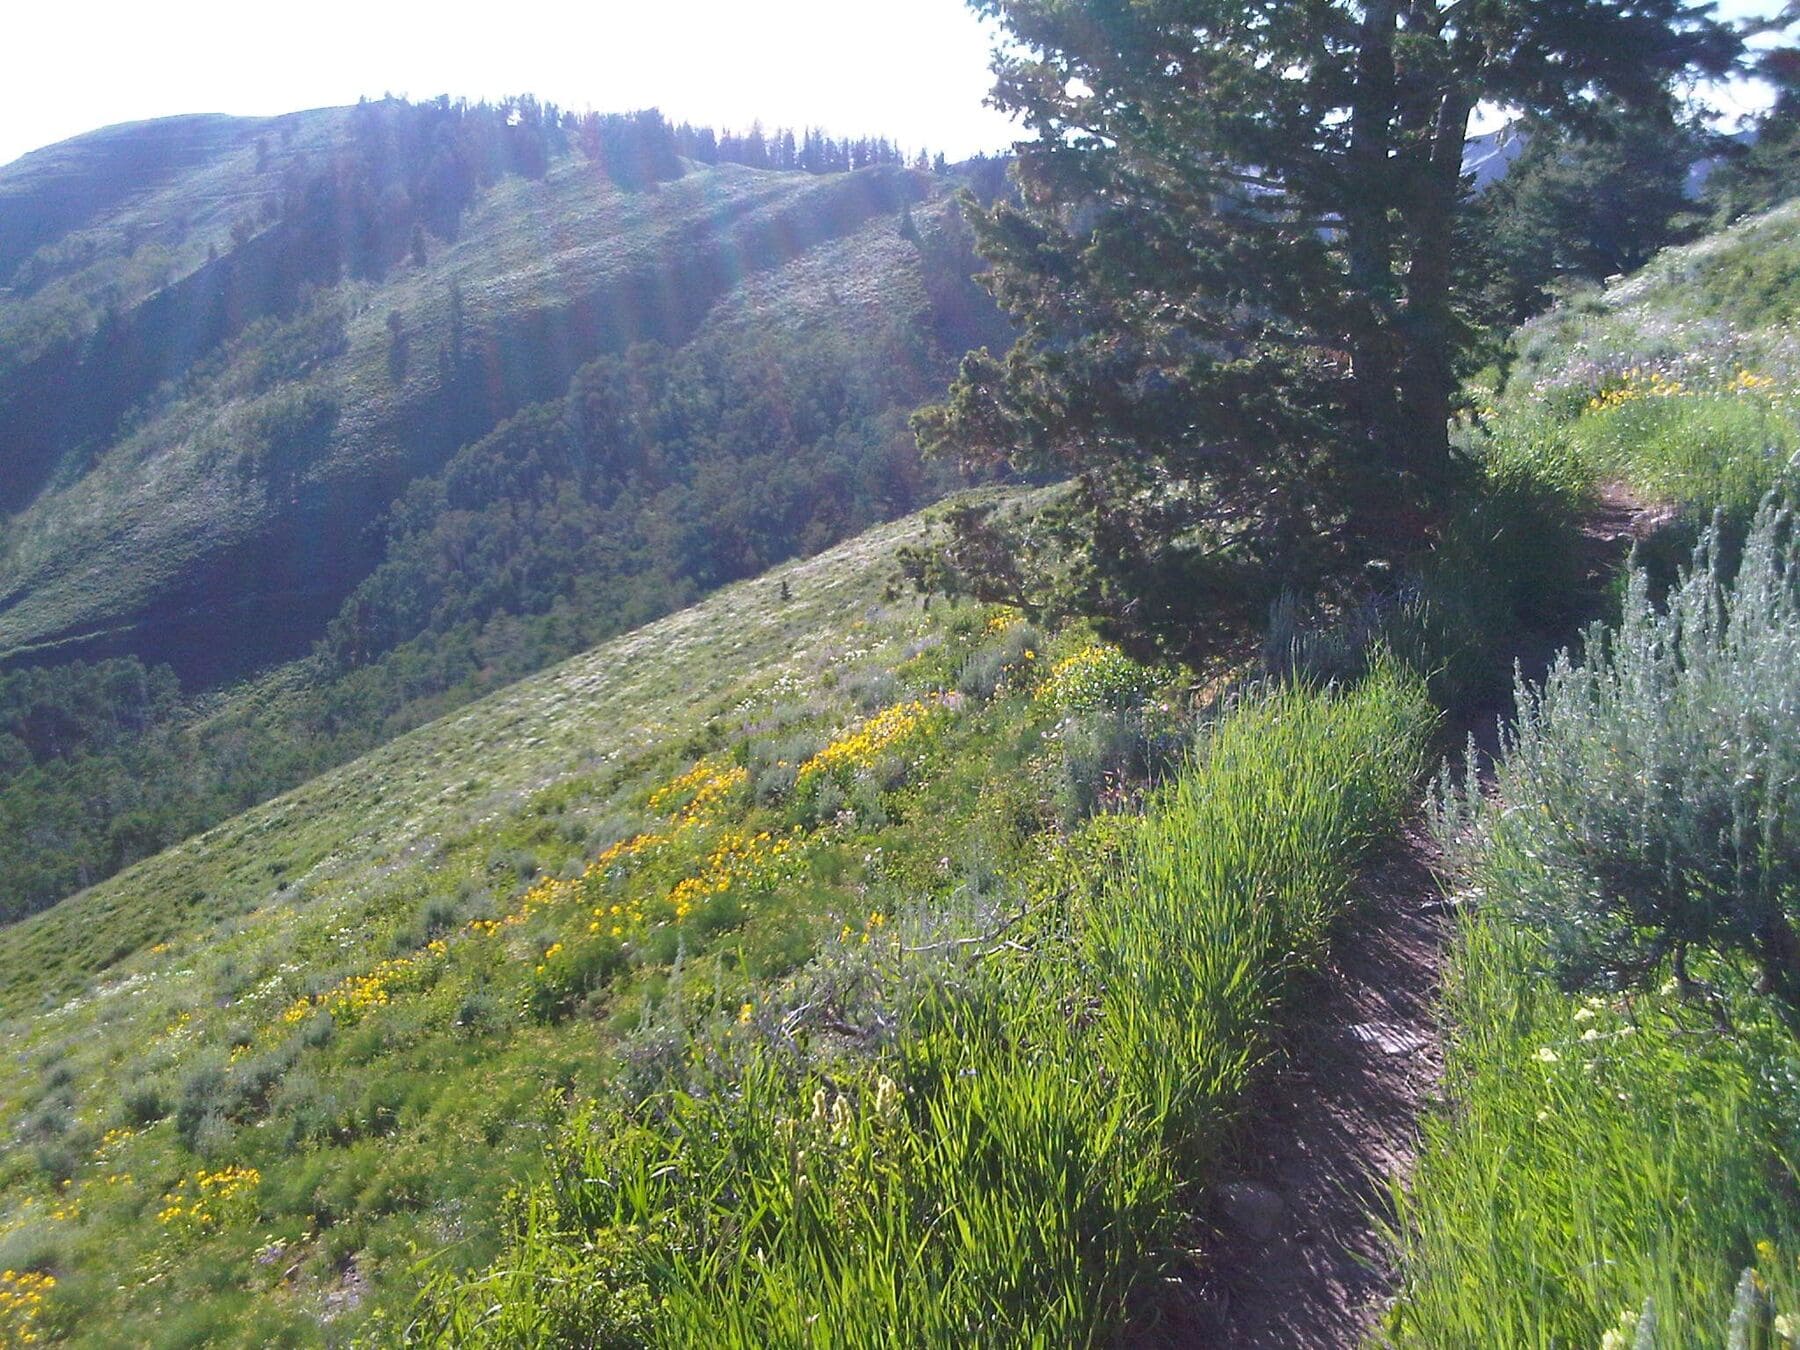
(1008, 1168)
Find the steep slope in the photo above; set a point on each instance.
(164, 1023)
(200, 477)
(610, 704)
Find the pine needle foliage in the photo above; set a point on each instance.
(1238, 262)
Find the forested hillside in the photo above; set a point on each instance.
(422, 397)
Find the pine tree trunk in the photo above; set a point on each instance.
(1374, 341)
(1779, 956)
(1428, 382)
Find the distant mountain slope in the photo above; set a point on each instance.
(116, 176)
(228, 363)
(369, 816)
(1486, 158)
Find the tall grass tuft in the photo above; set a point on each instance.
(1007, 1168)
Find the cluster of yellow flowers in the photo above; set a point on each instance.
(358, 995)
(550, 893)
(705, 785)
(859, 750)
(877, 921)
(736, 859)
(21, 1300)
(113, 1137)
(1000, 622)
(1637, 384)
(211, 1198)
(550, 954)
(617, 920)
(1096, 677)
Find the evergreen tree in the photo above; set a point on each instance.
(1586, 206)
(1767, 172)
(1233, 258)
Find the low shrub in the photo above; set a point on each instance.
(1104, 754)
(1652, 792)
(1004, 659)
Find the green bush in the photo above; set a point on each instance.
(1096, 677)
(1000, 662)
(1105, 752)
(1505, 569)
(569, 972)
(1652, 793)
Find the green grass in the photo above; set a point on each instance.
(1596, 1154)
(1676, 383)
(1005, 1168)
(1723, 450)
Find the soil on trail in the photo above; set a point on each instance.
(1289, 1252)
(1288, 1249)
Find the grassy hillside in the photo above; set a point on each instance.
(1676, 383)
(283, 1075)
(139, 988)
(110, 217)
(446, 397)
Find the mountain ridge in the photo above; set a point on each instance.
(534, 315)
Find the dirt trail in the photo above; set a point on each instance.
(1288, 1250)
(1287, 1253)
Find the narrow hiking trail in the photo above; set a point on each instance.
(1288, 1250)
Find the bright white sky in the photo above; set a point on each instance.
(914, 70)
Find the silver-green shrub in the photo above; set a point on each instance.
(1648, 802)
